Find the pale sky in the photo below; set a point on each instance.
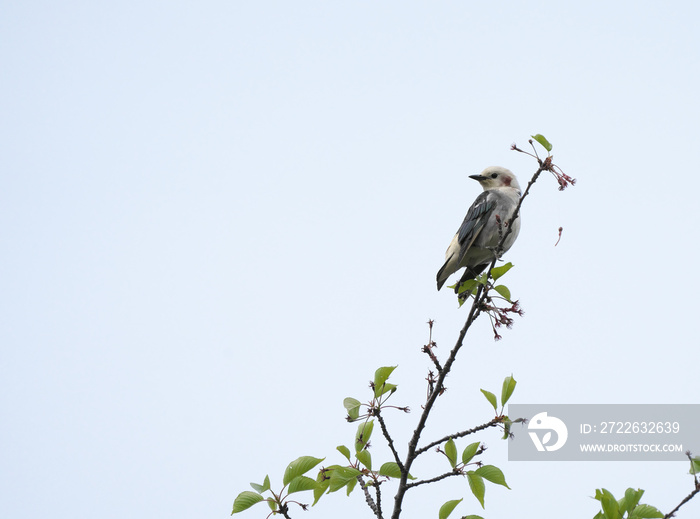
(219, 218)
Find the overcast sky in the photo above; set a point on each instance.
(218, 218)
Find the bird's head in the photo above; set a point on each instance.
(494, 177)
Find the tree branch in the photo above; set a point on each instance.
(474, 313)
(478, 428)
(284, 510)
(370, 502)
(433, 480)
(687, 498)
(692, 494)
(413, 443)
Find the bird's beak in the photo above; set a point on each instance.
(478, 178)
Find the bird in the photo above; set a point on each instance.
(474, 244)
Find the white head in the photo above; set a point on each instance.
(495, 177)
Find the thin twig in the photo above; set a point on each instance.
(378, 492)
(389, 439)
(433, 480)
(492, 423)
(687, 498)
(692, 494)
(516, 212)
(433, 357)
(428, 348)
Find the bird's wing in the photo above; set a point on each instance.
(474, 222)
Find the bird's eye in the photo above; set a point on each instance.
(494, 175)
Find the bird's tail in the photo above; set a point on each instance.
(442, 275)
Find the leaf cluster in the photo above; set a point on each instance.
(293, 481)
(627, 507)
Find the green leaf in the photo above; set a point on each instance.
(695, 465)
(318, 492)
(300, 466)
(470, 451)
(390, 469)
(387, 388)
(380, 378)
(351, 485)
(503, 290)
(301, 483)
(446, 509)
(364, 432)
(245, 500)
(646, 512)
(472, 517)
(272, 504)
(476, 483)
(344, 451)
(508, 388)
(341, 476)
(323, 480)
(491, 398)
(262, 488)
(611, 509)
(497, 272)
(469, 285)
(365, 458)
(544, 142)
(630, 500)
(492, 474)
(507, 423)
(451, 452)
(353, 407)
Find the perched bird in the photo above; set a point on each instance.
(473, 245)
